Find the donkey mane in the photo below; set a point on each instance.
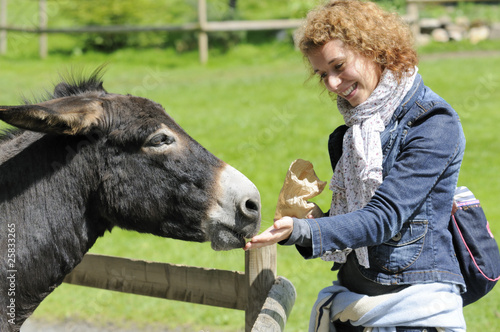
(9, 133)
(73, 83)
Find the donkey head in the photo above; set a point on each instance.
(148, 174)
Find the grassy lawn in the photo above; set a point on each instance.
(254, 108)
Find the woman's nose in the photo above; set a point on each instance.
(332, 83)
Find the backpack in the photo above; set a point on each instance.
(476, 249)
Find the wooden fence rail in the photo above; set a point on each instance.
(266, 299)
(202, 27)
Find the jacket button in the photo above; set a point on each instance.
(396, 237)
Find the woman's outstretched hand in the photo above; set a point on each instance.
(279, 231)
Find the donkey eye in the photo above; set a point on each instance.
(160, 139)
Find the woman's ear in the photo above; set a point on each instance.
(68, 115)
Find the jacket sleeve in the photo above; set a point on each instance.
(300, 237)
(427, 148)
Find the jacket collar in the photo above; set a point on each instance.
(410, 99)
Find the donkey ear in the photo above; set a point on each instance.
(67, 115)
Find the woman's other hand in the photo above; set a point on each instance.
(279, 231)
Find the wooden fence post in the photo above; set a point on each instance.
(202, 35)
(413, 16)
(260, 271)
(42, 25)
(3, 23)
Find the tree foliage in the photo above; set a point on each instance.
(172, 12)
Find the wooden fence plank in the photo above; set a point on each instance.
(219, 288)
(106, 29)
(254, 25)
(208, 27)
(277, 308)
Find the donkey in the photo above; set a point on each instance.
(84, 161)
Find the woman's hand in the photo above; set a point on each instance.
(281, 230)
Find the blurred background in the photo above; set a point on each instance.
(242, 90)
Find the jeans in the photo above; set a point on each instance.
(347, 327)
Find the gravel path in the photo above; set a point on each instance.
(461, 54)
(35, 325)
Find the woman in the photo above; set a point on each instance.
(396, 165)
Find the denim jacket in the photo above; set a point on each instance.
(405, 224)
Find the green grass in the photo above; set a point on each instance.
(253, 108)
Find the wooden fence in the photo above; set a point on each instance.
(266, 298)
(203, 27)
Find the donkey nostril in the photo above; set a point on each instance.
(250, 208)
(251, 205)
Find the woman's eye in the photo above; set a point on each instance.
(339, 66)
(161, 139)
(322, 76)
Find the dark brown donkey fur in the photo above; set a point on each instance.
(84, 161)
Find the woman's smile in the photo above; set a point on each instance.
(347, 93)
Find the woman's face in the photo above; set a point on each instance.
(344, 72)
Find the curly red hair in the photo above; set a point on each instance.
(364, 28)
